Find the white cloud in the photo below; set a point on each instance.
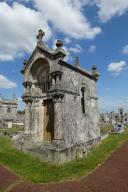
(125, 50)
(110, 8)
(19, 24)
(67, 16)
(6, 83)
(92, 48)
(117, 67)
(5, 57)
(67, 40)
(18, 27)
(108, 104)
(76, 49)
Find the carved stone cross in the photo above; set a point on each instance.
(40, 35)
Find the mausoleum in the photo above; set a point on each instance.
(61, 105)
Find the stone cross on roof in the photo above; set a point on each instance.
(40, 35)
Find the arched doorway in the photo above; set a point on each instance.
(40, 73)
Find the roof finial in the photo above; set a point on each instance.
(59, 43)
(14, 95)
(94, 68)
(25, 62)
(59, 50)
(77, 62)
(40, 35)
(95, 72)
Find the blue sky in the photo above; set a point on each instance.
(94, 30)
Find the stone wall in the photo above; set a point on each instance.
(79, 126)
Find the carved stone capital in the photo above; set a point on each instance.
(27, 99)
(57, 97)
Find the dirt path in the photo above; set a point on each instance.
(112, 176)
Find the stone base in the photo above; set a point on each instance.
(51, 152)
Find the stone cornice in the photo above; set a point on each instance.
(63, 92)
(92, 97)
(78, 70)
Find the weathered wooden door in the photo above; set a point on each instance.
(48, 120)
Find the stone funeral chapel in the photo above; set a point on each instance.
(8, 108)
(61, 112)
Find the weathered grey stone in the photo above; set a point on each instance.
(8, 108)
(53, 85)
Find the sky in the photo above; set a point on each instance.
(94, 30)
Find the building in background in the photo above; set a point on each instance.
(8, 108)
(9, 116)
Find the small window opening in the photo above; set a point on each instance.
(83, 100)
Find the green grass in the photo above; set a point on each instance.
(11, 130)
(33, 169)
(2, 190)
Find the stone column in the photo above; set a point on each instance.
(58, 127)
(28, 116)
(28, 102)
(35, 125)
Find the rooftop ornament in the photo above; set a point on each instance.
(39, 36)
(95, 72)
(94, 68)
(59, 49)
(59, 44)
(25, 62)
(77, 62)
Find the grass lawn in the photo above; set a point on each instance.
(8, 130)
(32, 169)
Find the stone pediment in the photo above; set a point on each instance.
(42, 51)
